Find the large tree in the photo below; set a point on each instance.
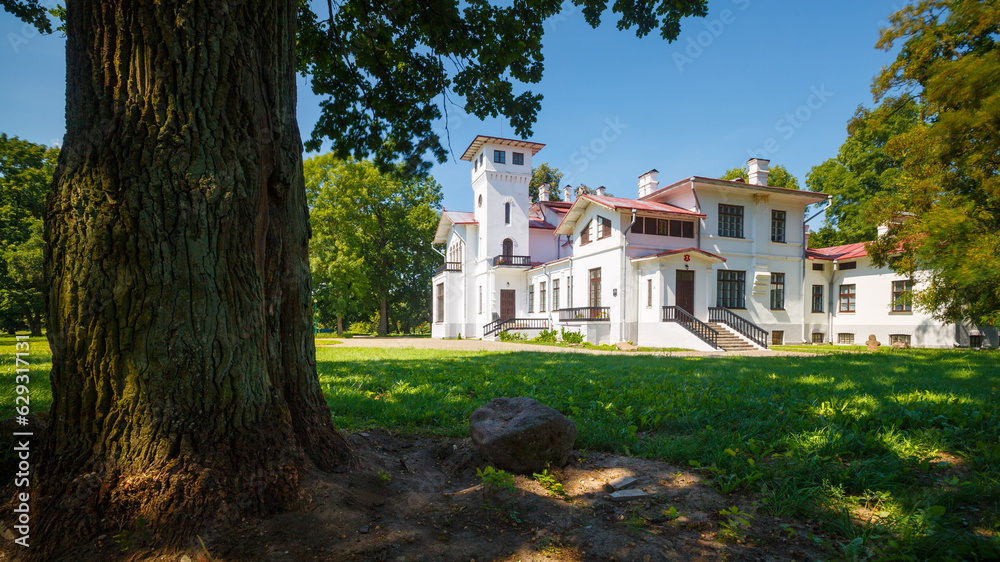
(183, 371)
(372, 240)
(862, 169)
(25, 174)
(543, 173)
(944, 211)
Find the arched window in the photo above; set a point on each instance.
(506, 213)
(508, 247)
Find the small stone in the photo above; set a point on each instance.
(185, 558)
(363, 530)
(626, 346)
(522, 435)
(628, 495)
(621, 483)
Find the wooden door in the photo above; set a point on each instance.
(684, 289)
(507, 304)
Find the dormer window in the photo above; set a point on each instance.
(499, 156)
(517, 158)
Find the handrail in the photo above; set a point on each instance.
(585, 313)
(707, 333)
(515, 324)
(743, 326)
(511, 261)
(449, 266)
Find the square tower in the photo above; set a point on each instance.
(501, 172)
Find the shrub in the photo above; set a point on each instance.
(571, 337)
(546, 336)
(511, 336)
(362, 327)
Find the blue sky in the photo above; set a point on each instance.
(777, 80)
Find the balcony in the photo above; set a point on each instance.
(449, 266)
(585, 314)
(511, 261)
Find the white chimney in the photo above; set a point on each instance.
(580, 190)
(757, 171)
(600, 191)
(648, 183)
(543, 192)
(883, 229)
(568, 193)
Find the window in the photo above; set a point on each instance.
(649, 292)
(531, 298)
(541, 297)
(899, 338)
(508, 247)
(637, 227)
(663, 227)
(595, 287)
(902, 296)
(480, 299)
(499, 156)
(730, 220)
(731, 290)
(845, 339)
(555, 294)
(675, 228)
(817, 298)
(819, 266)
(849, 265)
(687, 229)
(506, 213)
(650, 225)
(585, 234)
(777, 226)
(603, 228)
(517, 158)
(777, 291)
(440, 302)
(569, 292)
(848, 298)
(778, 337)
(976, 341)
(482, 158)
(817, 337)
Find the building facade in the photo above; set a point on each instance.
(701, 263)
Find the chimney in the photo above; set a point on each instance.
(883, 229)
(580, 190)
(568, 193)
(757, 171)
(543, 192)
(648, 183)
(599, 191)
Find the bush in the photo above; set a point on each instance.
(571, 337)
(508, 336)
(362, 327)
(546, 336)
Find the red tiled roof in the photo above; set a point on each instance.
(534, 222)
(622, 203)
(845, 252)
(537, 264)
(480, 140)
(683, 251)
(461, 217)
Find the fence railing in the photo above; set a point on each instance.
(743, 326)
(585, 313)
(511, 261)
(692, 324)
(515, 324)
(449, 266)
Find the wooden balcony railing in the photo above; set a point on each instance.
(511, 261)
(585, 314)
(449, 266)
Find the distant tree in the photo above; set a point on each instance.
(371, 253)
(778, 176)
(944, 208)
(25, 174)
(862, 169)
(543, 173)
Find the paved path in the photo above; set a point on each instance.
(480, 345)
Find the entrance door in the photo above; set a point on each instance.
(506, 304)
(684, 289)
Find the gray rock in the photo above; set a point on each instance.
(521, 435)
(628, 495)
(622, 483)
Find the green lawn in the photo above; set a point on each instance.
(831, 437)
(828, 437)
(39, 360)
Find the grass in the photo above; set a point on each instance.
(39, 360)
(857, 442)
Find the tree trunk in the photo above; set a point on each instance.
(340, 325)
(35, 323)
(184, 386)
(383, 320)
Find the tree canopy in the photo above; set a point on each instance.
(944, 208)
(778, 176)
(371, 255)
(543, 173)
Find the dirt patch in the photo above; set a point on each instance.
(421, 499)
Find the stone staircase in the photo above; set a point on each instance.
(729, 341)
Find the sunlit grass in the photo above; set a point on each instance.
(805, 436)
(39, 359)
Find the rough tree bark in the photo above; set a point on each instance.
(183, 373)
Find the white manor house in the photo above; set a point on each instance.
(701, 263)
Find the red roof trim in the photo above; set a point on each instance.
(684, 251)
